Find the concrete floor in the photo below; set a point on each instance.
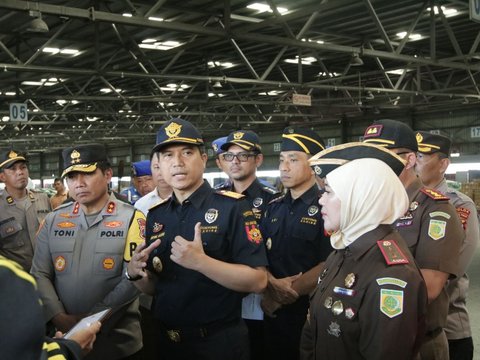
(473, 303)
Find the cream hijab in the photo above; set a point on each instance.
(370, 194)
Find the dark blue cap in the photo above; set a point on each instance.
(429, 143)
(301, 139)
(217, 145)
(391, 134)
(246, 139)
(83, 158)
(177, 131)
(141, 168)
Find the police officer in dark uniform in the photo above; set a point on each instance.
(242, 155)
(296, 244)
(204, 250)
(431, 229)
(370, 299)
(432, 162)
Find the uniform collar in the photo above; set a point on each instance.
(307, 197)
(110, 208)
(364, 243)
(197, 198)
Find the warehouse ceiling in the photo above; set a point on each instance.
(114, 71)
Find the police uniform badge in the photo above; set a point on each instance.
(238, 135)
(312, 210)
(253, 234)
(211, 215)
(350, 280)
(337, 307)
(75, 157)
(157, 264)
(334, 329)
(157, 227)
(391, 302)
(268, 243)
(60, 263)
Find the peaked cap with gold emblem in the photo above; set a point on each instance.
(429, 143)
(177, 131)
(10, 157)
(335, 156)
(83, 158)
(391, 134)
(301, 139)
(246, 139)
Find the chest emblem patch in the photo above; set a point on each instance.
(437, 229)
(211, 215)
(60, 263)
(257, 202)
(334, 329)
(113, 224)
(157, 227)
(253, 233)
(66, 224)
(312, 210)
(108, 263)
(391, 302)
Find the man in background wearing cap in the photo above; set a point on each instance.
(432, 162)
(206, 251)
(242, 155)
(81, 255)
(221, 163)
(142, 181)
(431, 229)
(161, 192)
(296, 243)
(21, 210)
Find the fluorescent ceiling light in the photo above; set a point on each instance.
(5, 118)
(226, 64)
(153, 18)
(448, 12)
(91, 119)
(271, 93)
(148, 41)
(159, 45)
(397, 71)
(305, 60)
(108, 90)
(260, 7)
(65, 51)
(331, 74)
(10, 93)
(312, 40)
(455, 154)
(413, 37)
(127, 14)
(213, 94)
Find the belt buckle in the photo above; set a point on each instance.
(174, 335)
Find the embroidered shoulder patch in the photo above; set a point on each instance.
(391, 302)
(391, 252)
(435, 195)
(230, 194)
(463, 214)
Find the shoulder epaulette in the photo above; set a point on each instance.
(278, 198)
(435, 195)
(270, 190)
(158, 204)
(392, 253)
(231, 194)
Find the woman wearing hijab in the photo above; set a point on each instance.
(370, 299)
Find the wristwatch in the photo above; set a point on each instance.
(130, 278)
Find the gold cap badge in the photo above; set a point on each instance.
(173, 130)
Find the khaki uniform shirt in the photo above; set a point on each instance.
(367, 305)
(80, 269)
(434, 234)
(458, 322)
(19, 222)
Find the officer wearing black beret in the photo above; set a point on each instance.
(204, 251)
(370, 300)
(296, 243)
(21, 209)
(432, 162)
(431, 229)
(82, 252)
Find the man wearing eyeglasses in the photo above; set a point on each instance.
(241, 157)
(431, 229)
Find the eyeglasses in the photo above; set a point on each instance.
(242, 157)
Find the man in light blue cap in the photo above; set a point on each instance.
(142, 181)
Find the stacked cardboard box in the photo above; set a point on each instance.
(472, 189)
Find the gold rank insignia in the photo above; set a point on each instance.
(231, 194)
(173, 130)
(12, 154)
(435, 195)
(111, 207)
(75, 157)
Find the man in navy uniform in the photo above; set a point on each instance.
(431, 229)
(204, 252)
(432, 162)
(296, 243)
(142, 182)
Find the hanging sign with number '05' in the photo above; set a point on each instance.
(18, 112)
